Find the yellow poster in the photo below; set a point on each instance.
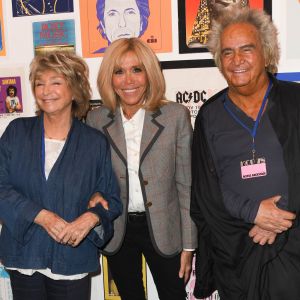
(110, 289)
(103, 21)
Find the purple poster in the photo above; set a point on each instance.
(10, 95)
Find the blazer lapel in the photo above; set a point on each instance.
(151, 131)
(115, 133)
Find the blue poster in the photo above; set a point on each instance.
(41, 7)
(3, 273)
(53, 35)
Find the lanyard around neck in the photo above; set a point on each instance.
(256, 123)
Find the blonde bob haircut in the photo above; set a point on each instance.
(260, 20)
(75, 71)
(155, 92)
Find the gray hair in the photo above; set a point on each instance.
(259, 19)
(75, 71)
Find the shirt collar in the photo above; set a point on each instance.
(136, 118)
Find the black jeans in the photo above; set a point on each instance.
(40, 287)
(126, 266)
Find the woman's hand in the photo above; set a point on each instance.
(51, 222)
(186, 265)
(76, 231)
(98, 199)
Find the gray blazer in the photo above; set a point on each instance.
(165, 175)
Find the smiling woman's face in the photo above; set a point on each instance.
(52, 93)
(121, 19)
(130, 82)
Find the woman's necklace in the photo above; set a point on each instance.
(59, 133)
(56, 136)
(53, 138)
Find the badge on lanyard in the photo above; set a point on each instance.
(255, 167)
(252, 168)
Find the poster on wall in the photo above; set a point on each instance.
(5, 289)
(13, 95)
(103, 21)
(192, 87)
(53, 35)
(195, 19)
(191, 285)
(2, 42)
(23, 8)
(110, 288)
(10, 95)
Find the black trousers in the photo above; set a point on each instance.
(126, 266)
(40, 287)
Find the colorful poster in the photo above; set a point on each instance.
(5, 289)
(41, 7)
(103, 21)
(10, 95)
(195, 18)
(191, 285)
(56, 34)
(2, 43)
(110, 288)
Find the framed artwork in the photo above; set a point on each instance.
(194, 20)
(10, 95)
(103, 21)
(13, 100)
(110, 288)
(23, 8)
(53, 35)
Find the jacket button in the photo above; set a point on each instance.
(145, 182)
(148, 204)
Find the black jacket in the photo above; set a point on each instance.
(226, 255)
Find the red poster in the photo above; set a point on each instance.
(195, 23)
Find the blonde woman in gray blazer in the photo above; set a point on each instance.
(150, 140)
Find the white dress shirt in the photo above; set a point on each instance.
(133, 129)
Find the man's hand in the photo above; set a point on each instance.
(272, 218)
(98, 199)
(185, 265)
(51, 222)
(262, 236)
(77, 230)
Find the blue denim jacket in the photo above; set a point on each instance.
(82, 168)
